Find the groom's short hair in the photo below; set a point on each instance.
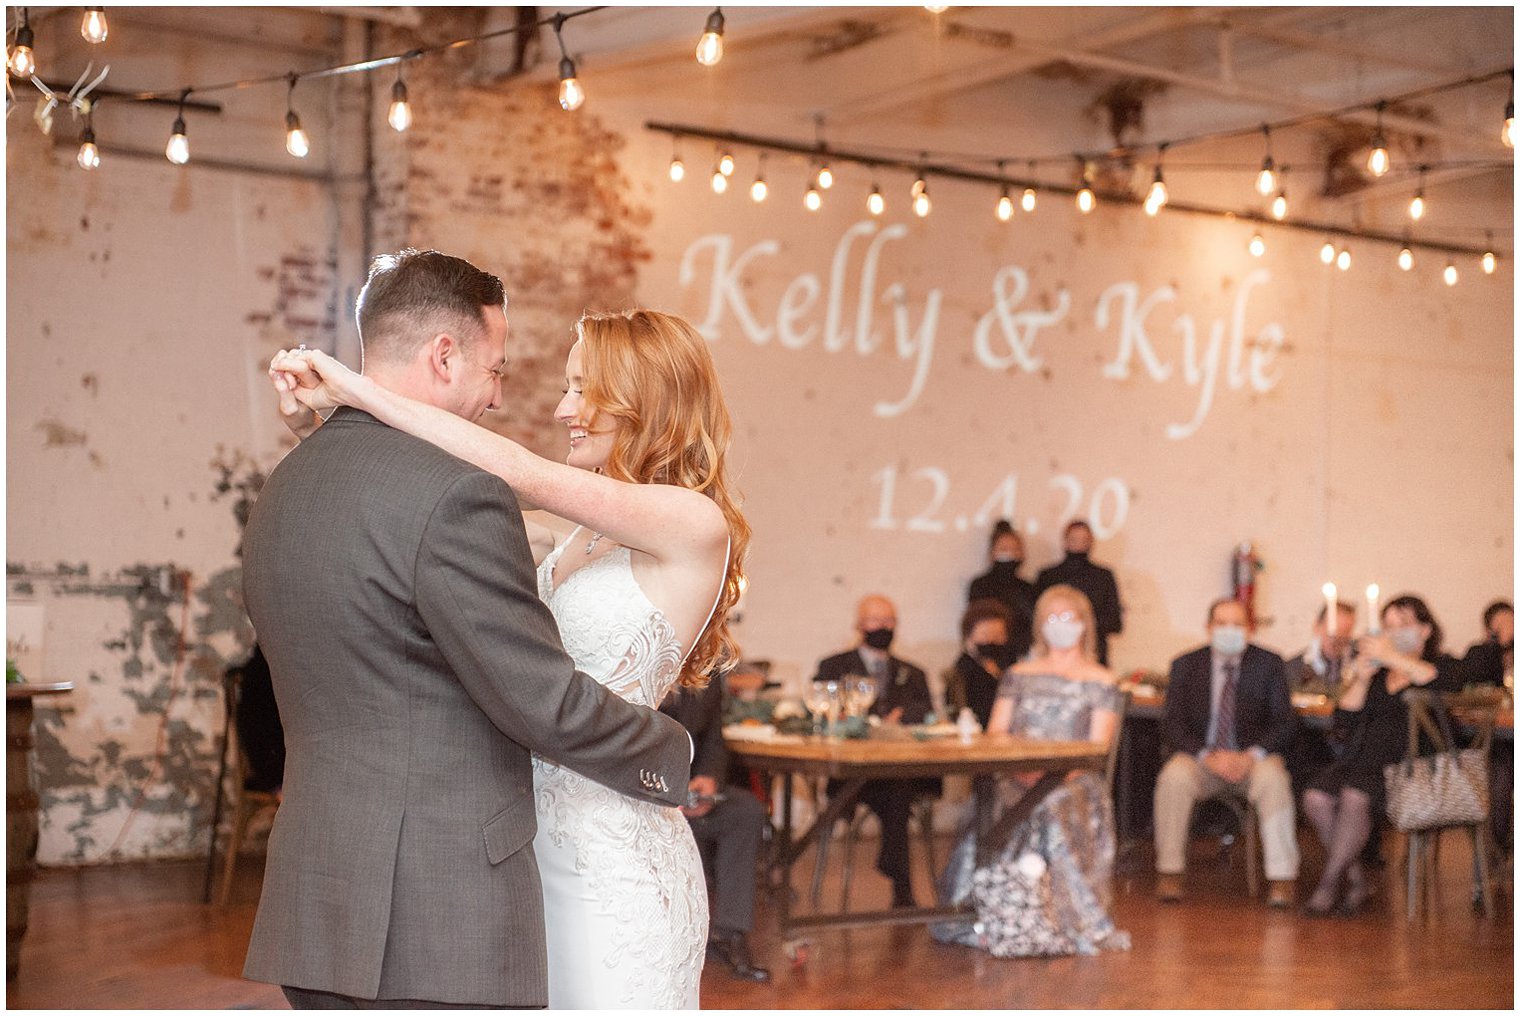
(412, 295)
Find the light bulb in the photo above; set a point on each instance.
(1507, 134)
(296, 142)
(1489, 262)
(1258, 246)
(571, 94)
(710, 46)
(726, 164)
(89, 155)
(94, 27)
(677, 170)
(1417, 206)
(1005, 207)
(22, 61)
(825, 177)
(921, 203)
(1450, 274)
(719, 182)
(1027, 202)
(1266, 180)
(400, 116)
(759, 189)
(918, 185)
(1327, 253)
(1343, 260)
(177, 150)
(1406, 259)
(1280, 206)
(812, 199)
(875, 203)
(936, 8)
(1156, 199)
(1086, 200)
(1377, 161)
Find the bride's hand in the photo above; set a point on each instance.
(311, 378)
(300, 418)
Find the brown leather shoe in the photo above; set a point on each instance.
(1280, 894)
(1168, 888)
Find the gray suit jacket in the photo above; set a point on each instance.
(393, 591)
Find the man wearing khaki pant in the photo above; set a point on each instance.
(1228, 720)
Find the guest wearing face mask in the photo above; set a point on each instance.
(1228, 720)
(902, 696)
(1488, 662)
(1343, 801)
(1093, 580)
(1001, 582)
(1048, 890)
(973, 681)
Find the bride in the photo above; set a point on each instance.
(641, 591)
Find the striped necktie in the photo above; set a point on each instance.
(1224, 727)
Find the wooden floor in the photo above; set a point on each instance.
(138, 937)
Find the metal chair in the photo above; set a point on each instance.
(1427, 718)
(921, 813)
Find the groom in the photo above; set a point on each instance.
(393, 591)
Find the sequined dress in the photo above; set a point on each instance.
(1048, 891)
(625, 902)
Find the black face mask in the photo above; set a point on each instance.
(1077, 555)
(1007, 567)
(991, 651)
(881, 638)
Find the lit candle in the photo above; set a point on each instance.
(1374, 624)
(1329, 590)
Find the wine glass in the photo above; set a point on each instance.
(862, 695)
(820, 697)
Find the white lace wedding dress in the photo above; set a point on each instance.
(625, 903)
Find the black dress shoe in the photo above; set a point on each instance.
(902, 894)
(733, 948)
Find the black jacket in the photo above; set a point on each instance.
(1263, 710)
(1099, 586)
(700, 711)
(906, 685)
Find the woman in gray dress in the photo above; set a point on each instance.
(1047, 891)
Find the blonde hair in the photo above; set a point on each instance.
(1079, 600)
(651, 373)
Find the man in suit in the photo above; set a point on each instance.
(1319, 667)
(902, 696)
(415, 669)
(728, 822)
(1095, 581)
(1228, 719)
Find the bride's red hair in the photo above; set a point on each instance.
(652, 373)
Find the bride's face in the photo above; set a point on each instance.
(589, 448)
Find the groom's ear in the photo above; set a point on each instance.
(443, 357)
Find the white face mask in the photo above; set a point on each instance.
(1228, 639)
(1407, 640)
(1061, 634)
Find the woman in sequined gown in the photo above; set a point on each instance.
(1048, 889)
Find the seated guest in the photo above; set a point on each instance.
(973, 681)
(902, 696)
(1343, 801)
(727, 826)
(1048, 890)
(1318, 668)
(1488, 661)
(261, 736)
(1093, 580)
(1228, 719)
(1001, 582)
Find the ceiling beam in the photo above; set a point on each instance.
(1295, 39)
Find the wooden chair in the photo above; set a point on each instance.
(1422, 846)
(244, 805)
(1249, 824)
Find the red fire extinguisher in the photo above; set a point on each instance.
(1243, 572)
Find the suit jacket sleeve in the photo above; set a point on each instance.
(477, 594)
(1176, 727)
(1111, 611)
(1282, 722)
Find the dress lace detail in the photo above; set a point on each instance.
(625, 901)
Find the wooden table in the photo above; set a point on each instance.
(901, 757)
(20, 812)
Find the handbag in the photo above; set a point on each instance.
(1445, 789)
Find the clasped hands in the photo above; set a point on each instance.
(1231, 766)
(309, 383)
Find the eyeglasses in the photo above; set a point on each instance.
(1065, 615)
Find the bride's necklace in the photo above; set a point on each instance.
(595, 539)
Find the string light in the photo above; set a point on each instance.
(296, 141)
(1005, 200)
(812, 199)
(1450, 274)
(677, 167)
(1028, 200)
(936, 8)
(759, 189)
(726, 163)
(710, 46)
(22, 62)
(1156, 199)
(921, 203)
(1343, 260)
(400, 115)
(1406, 258)
(1266, 180)
(571, 95)
(720, 178)
(1257, 246)
(1327, 253)
(177, 150)
(1507, 134)
(875, 203)
(94, 27)
(1280, 205)
(1377, 160)
(1417, 203)
(825, 177)
(1490, 261)
(89, 154)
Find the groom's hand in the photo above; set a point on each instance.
(299, 417)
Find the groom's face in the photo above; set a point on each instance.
(479, 385)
